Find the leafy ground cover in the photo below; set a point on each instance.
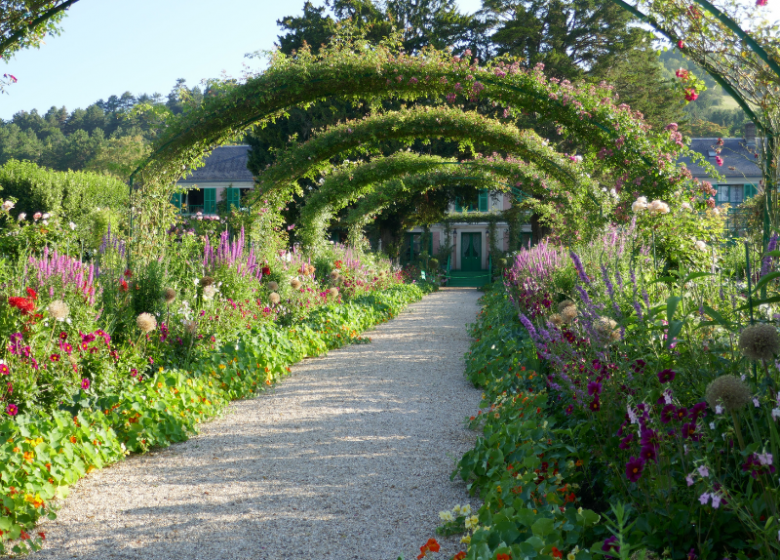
(631, 402)
(105, 358)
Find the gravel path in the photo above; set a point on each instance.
(348, 458)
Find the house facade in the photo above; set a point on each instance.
(740, 169)
(223, 179)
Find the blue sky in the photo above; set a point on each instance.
(142, 46)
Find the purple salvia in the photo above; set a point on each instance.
(578, 265)
(766, 267)
(529, 326)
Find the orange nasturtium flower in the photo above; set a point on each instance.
(459, 556)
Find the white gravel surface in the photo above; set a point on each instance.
(348, 458)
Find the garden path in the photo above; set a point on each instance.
(347, 458)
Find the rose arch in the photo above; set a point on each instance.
(312, 158)
(354, 181)
(611, 134)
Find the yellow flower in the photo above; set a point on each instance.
(446, 516)
(466, 539)
(465, 510)
(472, 522)
(572, 555)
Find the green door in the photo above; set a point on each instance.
(470, 252)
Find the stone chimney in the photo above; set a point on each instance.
(750, 135)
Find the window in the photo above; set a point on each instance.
(481, 203)
(723, 193)
(736, 194)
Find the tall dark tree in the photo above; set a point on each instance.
(569, 37)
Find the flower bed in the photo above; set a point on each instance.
(103, 356)
(42, 454)
(649, 399)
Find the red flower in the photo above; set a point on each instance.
(24, 536)
(691, 95)
(503, 557)
(42, 535)
(556, 553)
(31, 294)
(266, 271)
(122, 286)
(459, 556)
(128, 274)
(433, 546)
(22, 304)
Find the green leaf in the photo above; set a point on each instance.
(695, 275)
(674, 329)
(765, 280)
(543, 526)
(671, 307)
(717, 317)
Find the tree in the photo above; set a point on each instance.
(24, 24)
(570, 37)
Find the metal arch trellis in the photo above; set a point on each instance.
(771, 138)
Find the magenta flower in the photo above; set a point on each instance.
(85, 384)
(648, 453)
(666, 376)
(625, 443)
(594, 388)
(668, 413)
(4, 369)
(719, 161)
(611, 544)
(634, 468)
(11, 410)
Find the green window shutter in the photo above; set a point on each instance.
(458, 207)
(234, 198)
(209, 201)
(483, 200)
(750, 191)
(176, 200)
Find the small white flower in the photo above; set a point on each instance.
(196, 281)
(718, 409)
(72, 225)
(776, 414)
(46, 216)
(686, 206)
(712, 425)
(756, 403)
(700, 245)
(7, 205)
(446, 516)
(21, 216)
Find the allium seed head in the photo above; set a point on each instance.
(273, 286)
(556, 319)
(274, 298)
(728, 391)
(759, 342)
(295, 283)
(334, 274)
(146, 322)
(607, 330)
(206, 281)
(334, 292)
(569, 313)
(564, 304)
(169, 294)
(59, 309)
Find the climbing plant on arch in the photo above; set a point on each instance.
(357, 180)
(311, 159)
(361, 71)
(402, 188)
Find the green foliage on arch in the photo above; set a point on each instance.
(355, 181)
(311, 159)
(610, 133)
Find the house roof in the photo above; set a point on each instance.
(738, 159)
(226, 164)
